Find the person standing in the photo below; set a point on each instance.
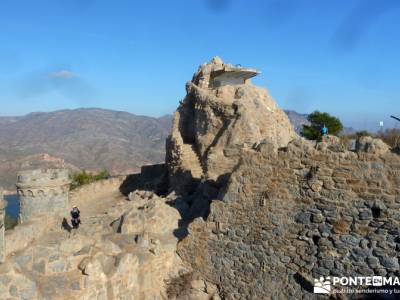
(324, 130)
(75, 217)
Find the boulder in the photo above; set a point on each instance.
(371, 145)
(154, 217)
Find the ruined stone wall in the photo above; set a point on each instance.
(42, 191)
(302, 212)
(132, 259)
(23, 234)
(106, 186)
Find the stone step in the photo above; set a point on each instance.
(192, 160)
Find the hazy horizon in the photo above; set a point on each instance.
(340, 57)
(363, 124)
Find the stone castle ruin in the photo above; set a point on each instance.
(221, 113)
(242, 209)
(126, 248)
(283, 210)
(297, 213)
(217, 74)
(42, 191)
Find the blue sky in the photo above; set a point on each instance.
(338, 56)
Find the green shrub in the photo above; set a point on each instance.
(318, 120)
(10, 222)
(83, 178)
(102, 175)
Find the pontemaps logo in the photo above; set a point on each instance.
(322, 285)
(327, 285)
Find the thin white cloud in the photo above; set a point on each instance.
(60, 80)
(62, 74)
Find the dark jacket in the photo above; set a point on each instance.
(75, 214)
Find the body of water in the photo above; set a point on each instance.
(12, 208)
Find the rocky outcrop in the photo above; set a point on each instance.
(304, 211)
(283, 210)
(252, 211)
(123, 249)
(215, 121)
(371, 145)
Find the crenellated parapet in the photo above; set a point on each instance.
(43, 178)
(42, 191)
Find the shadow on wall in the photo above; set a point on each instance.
(194, 202)
(152, 178)
(303, 282)
(197, 203)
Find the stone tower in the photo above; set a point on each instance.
(3, 205)
(43, 191)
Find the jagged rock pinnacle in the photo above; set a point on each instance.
(221, 114)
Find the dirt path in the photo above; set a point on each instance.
(98, 211)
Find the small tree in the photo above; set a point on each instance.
(317, 120)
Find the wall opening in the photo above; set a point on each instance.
(376, 212)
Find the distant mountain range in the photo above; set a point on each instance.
(92, 139)
(297, 120)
